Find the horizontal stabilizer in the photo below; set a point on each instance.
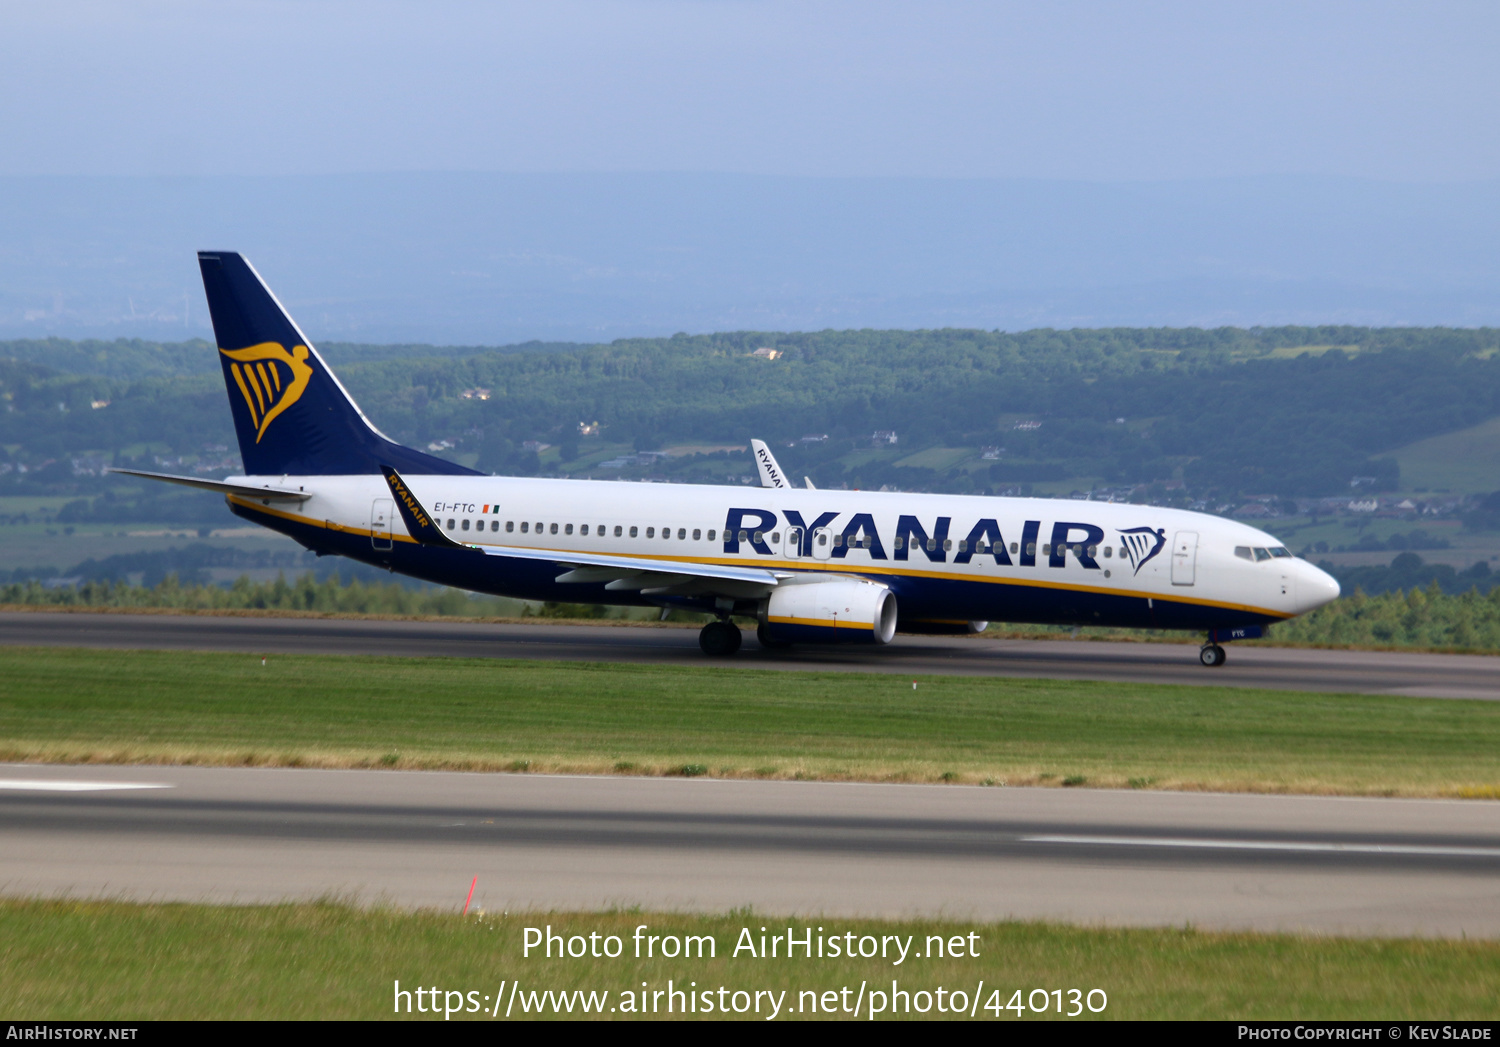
(263, 492)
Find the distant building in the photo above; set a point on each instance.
(990, 454)
(588, 428)
(1027, 427)
(884, 438)
(532, 445)
(1364, 505)
(766, 353)
(477, 393)
(815, 438)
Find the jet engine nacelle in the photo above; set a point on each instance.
(836, 611)
(940, 627)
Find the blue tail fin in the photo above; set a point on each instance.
(291, 414)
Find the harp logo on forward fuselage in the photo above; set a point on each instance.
(269, 378)
(1143, 543)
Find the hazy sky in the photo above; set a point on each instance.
(1097, 91)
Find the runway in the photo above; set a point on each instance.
(1368, 672)
(1316, 864)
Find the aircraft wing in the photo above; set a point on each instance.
(649, 575)
(265, 493)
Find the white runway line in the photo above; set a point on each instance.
(64, 786)
(1270, 845)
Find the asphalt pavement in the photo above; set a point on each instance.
(239, 835)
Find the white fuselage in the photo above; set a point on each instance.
(990, 555)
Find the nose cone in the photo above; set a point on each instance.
(1315, 587)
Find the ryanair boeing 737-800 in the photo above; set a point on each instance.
(811, 566)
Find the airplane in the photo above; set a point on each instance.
(808, 565)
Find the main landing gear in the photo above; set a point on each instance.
(1211, 655)
(720, 639)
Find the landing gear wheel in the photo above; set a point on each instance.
(769, 642)
(1212, 655)
(719, 639)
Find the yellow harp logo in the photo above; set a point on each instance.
(270, 379)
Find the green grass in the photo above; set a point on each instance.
(110, 960)
(157, 706)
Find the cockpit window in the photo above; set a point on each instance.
(1281, 551)
(1243, 552)
(1262, 554)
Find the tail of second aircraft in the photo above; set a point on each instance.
(292, 416)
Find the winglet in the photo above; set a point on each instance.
(770, 471)
(419, 523)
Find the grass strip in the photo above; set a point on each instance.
(88, 705)
(66, 960)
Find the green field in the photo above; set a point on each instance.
(144, 706)
(104, 960)
(1463, 462)
(60, 546)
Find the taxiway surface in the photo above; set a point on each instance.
(1368, 672)
(1335, 865)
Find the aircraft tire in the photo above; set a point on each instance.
(1212, 655)
(720, 639)
(769, 642)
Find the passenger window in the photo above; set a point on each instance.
(633, 531)
(651, 532)
(554, 528)
(525, 527)
(947, 543)
(744, 537)
(1108, 551)
(1047, 549)
(1123, 553)
(775, 537)
(931, 545)
(823, 539)
(538, 528)
(584, 530)
(450, 523)
(568, 529)
(1093, 550)
(1243, 552)
(617, 530)
(682, 534)
(963, 545)
(666, 532)
(464, 526)
(600, 530)
(510, 526)
(838, 541)
(711, 535)
(1262, 554)
(697, 534)
(899, 543)
(1030, 548)
(494, 525)
(1015, 547)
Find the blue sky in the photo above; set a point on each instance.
(1094, 91)
(485, 172)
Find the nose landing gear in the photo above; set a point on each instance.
(720, 639)
(1211, 655)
